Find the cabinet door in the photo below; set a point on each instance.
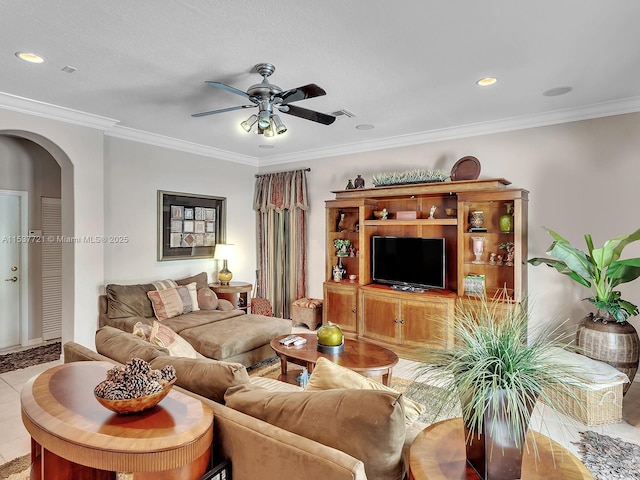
(427, 323)
(380, 317)
(339, 307)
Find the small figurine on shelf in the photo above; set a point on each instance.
(432, 211)
(499, 260)
(492, 259)
(509, 247)
(350, 185)
(359, 182)
(341, 225)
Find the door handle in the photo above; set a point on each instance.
(12, 279)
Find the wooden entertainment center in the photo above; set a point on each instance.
(404, 320)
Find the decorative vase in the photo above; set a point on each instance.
(496, 452)
(601, 338)
(506, 220)
(359, 182)
(478, 248)
(341, 222)
(477, 219)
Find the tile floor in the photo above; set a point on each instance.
(14, 439)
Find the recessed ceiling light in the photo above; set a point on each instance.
(265, 146)
(29, 57)
(486, 81)
(365, 126)
(554, 92)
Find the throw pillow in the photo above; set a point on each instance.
(207, 299)
(204, 376)
(174, 301)
(163, 336)
(164, 284)
(225, 305)
(142, 330)
(201, 280)
(328, 375)
(366, 424)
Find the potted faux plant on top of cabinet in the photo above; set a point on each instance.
(497, 374)
(605, 335)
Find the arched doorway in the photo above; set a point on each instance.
(67, 209)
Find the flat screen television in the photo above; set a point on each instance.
(408, 261)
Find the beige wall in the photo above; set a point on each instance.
(582, 177)
(134, 172)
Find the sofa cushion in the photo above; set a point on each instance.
(132, 301)
(123, 346)
(196, 319)
(328, 375)
(207, 299)
(129, 301)
(233, 336)
(172, 302)
(201, 280)
(366, 424)
(204, 376)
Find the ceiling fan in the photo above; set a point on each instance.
(268, 97)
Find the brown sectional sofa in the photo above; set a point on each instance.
(273, 426)
(229, 335)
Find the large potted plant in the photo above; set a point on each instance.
(496, 374)
(605, 335)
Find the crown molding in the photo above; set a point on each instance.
(605, 109)
(134, 135)
(54, 112)
(110, 128)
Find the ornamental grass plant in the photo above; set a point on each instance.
(498, 368)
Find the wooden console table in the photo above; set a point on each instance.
(73, 436)
(238, 293)
(438, 453)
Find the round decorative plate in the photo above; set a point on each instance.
(467, 168)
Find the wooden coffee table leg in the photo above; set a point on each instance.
(386, 378)
(283, 365)
(310, 366)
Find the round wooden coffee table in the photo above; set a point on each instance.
(365, 358)
(438, 453)
(73, 436)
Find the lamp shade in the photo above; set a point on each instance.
(224, 251)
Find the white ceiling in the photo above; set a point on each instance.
(409, 68)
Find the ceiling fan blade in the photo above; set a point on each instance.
(308, 114)
(300, 93)
(228, 88)
(222, 110)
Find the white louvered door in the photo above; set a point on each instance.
(51, 268)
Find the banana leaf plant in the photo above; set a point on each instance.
(599, 269)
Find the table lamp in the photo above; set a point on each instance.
(224, 252)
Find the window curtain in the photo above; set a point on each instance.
(281, 204)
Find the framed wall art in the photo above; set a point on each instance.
(189, 226)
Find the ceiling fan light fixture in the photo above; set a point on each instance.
(280, 127)
(249, 123)
(264, 120)
(268, 132)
